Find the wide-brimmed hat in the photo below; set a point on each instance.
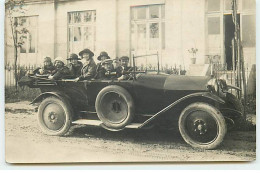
(103, 54)
(107, 61)
(86, 51)
(73, 56)
(124, 57)
(60, 59)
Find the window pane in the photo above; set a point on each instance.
(163, 11)
(32, 21)
(228, 4)
(133, 37)
(70, 18)
(163, 35)
(70, 34)
(88, 37)
(154, 36)
(87, 16)
(141, 36)
(154, 30)
(31, 41)
(22, 22)
(77, 34)
(94, 16)
(88, 33)
(154, 11)
(249, 4)
(141, 12)
(248, 31)
(22, 38)
(213, 5)
(213, 25)
(77, 17)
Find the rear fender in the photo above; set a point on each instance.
(61, 96)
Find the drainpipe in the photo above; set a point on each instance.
(55, 27)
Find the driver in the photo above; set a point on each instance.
(107, 70)
(122, 72)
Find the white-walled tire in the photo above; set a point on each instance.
(202, 126)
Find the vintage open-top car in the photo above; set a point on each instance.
(201, 107)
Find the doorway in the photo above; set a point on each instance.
(229, 29)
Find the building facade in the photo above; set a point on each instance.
(135, 27)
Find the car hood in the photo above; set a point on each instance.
(173, 82)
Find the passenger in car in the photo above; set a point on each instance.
(61, 70)
(75, 65)
(107, 70)
(123, 70)
(88, 70)
(48, 67)
(102, 57)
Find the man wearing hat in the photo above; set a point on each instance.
(61, 70)
(88, 70)
(102, 57)
(48, 67)
(107, 70)
(123, 69)
(75, 65)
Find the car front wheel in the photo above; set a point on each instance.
(54, 116)
(202, 126)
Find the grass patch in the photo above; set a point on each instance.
(22, 94)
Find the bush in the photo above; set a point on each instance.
(22, 94)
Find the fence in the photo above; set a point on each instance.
(10, 73)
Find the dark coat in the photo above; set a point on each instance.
(88, 70)
(75, 70)
(60, 73)
(123, 71)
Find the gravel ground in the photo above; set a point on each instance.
(25, 143)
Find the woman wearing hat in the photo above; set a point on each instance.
(88, 70)
(61, 70)
(75, 65)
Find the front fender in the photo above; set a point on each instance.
(171, 106)
(48, 94)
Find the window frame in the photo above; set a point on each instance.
(221, 14)
(29, 27)
(82, 25)
(134, 21)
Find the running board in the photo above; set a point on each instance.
(99, 123)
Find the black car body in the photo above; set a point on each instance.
(201, 107)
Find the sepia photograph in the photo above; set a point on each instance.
(130, 81)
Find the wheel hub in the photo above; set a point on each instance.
(200, 127)
(52, 117)
(116, 107)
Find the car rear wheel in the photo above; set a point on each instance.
(54, 116)
(115, 107)
(202, 126)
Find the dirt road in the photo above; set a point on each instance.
(25, 143)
